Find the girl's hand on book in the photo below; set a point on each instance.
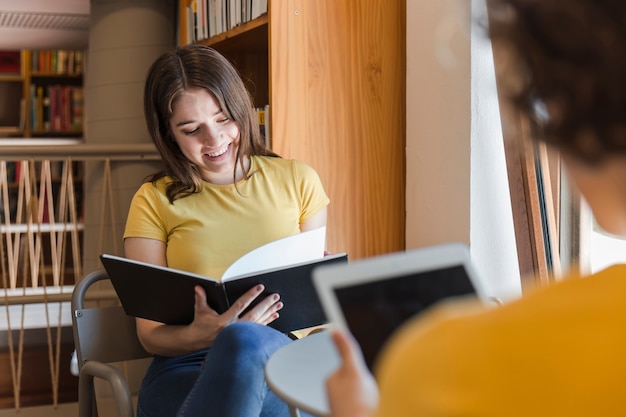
(208, 322)
(265, 312)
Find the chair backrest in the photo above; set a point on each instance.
(103, 334)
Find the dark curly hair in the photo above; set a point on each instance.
(188, 67)
(572, 78)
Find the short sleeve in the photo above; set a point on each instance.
(144, 217)
(313, 195)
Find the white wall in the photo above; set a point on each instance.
(457, 186)
(438, 126)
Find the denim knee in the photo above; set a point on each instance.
(232, 381)
(249, 339)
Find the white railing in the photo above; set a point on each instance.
(41, 231)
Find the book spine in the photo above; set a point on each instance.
(46, 110)
(33, 106)
(39, 104)
(77, 109)
(227, 303)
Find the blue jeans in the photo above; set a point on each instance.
(225, 381)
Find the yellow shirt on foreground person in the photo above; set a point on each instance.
(551, 353)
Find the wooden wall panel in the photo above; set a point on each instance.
(337, 93)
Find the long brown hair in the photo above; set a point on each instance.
(189, 67)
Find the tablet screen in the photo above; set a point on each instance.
(373, 310)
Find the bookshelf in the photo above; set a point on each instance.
(41, 94)
(333, 75)
(39, 249)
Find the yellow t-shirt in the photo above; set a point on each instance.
(559, 351)
(207, 231)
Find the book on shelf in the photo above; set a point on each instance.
(202, 14)
(215, 21)
(77, 108)
(40, 102)
(55, 108)
(258, 7)
(10, 63)
(79, 62)
(190, 21)
(263, 115)
(234, 16)
(260, 114)
(194, 16)
(284, 266)
(266, 122)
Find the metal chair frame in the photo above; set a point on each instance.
(102, 335)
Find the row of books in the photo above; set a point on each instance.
(202, 19)
(56, 108)
(57, 61)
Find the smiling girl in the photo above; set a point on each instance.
(221, 193)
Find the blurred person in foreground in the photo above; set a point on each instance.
(559, 350)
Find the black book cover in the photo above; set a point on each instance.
(167, 295)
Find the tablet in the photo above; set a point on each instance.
(372, 297)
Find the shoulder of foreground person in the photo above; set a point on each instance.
(481, 361)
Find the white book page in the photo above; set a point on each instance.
(302, 247)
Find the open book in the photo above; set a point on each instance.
(284, 266)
